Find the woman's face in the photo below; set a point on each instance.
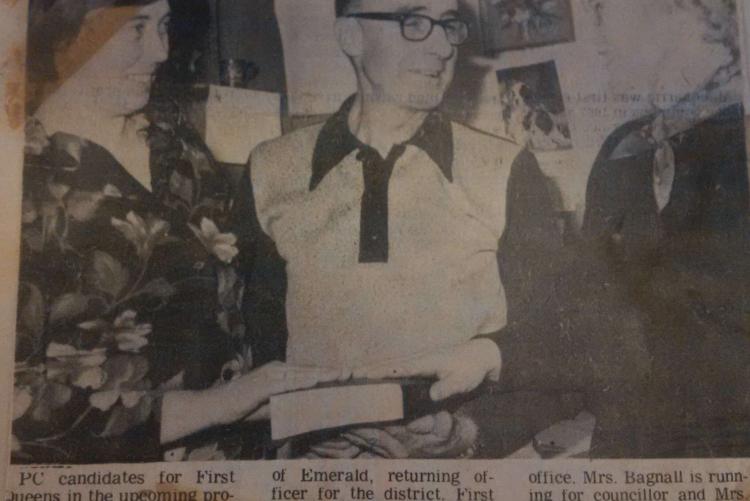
(121, 70)
(656, 48)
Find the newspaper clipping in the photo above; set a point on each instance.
(390, 250)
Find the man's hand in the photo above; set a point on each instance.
(338, 448)
(459, 369)
(442, 435)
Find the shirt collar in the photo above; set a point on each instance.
(335, 142)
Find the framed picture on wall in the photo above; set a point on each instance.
(533, 110)
(519, 24)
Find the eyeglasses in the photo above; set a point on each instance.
(416, 27)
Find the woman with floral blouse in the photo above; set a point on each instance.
(128, 317)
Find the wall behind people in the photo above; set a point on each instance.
(247, 33)
(310, 44)
(316, 77)
(319, 78)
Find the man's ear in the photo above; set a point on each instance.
(349, 36)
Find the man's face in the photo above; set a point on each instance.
(410, 74)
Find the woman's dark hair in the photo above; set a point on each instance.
(54, 24)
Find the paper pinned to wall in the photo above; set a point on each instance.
(237, 120)
(319, 76)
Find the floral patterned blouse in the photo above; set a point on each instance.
(124, 294)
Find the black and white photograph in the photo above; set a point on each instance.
(533, 110)
(224, 258)
(520, 24)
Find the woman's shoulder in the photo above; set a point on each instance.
(82, 162)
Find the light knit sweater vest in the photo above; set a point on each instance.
(441, 283)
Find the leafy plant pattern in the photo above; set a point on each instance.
(122, 290)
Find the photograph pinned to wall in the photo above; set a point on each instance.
(532, 108)
(519, 24)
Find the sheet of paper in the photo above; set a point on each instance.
(319, 76)
(321, 408)
(237, 120)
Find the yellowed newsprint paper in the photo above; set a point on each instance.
(382, 250)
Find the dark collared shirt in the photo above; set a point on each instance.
(336, 142)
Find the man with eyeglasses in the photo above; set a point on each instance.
(375, 235)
